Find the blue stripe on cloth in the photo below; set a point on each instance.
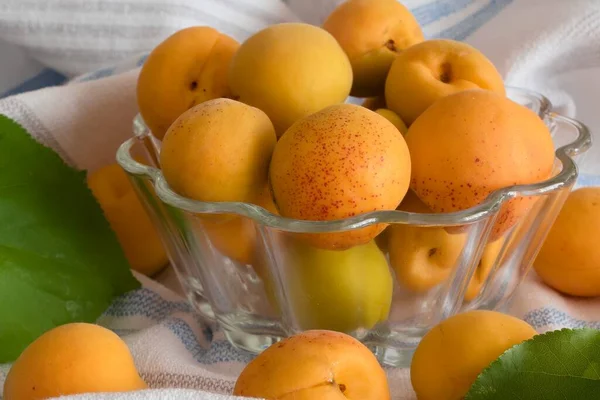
(146, 303)
(471, 23)
(218, 352)
(550, 316)
(101, 73)
(436, 10)
(47, 77)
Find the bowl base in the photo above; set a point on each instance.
(254, 344)
(392, 357)
(201, 305)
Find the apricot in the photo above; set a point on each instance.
(484, 267)
(372, 33)
(137, 235)
(569, 260)
(187, 68)
(290, 70)
(340, 162)
(265, 200)
(482, 142)
(433, 69)
(422, 257)
(235, 236)
(71, 359)
(314, 364)
(393, 118)
(218, 151)
(338, 290)
(452, 354)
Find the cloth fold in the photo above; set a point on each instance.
(97, 46)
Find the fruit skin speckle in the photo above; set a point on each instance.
(471, 143)
(337, 163)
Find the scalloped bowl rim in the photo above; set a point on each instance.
(567, 175)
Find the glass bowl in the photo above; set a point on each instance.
(251, 270)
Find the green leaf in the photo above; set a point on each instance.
(561, 365)
(59, 260)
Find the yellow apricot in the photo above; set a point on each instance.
(569, 260)
(393, 118)
(187, 68)
(452, 354)
(422, 257)
(372, 33)
(218, 151)
(235, 236)
(232, 236)
(433, 69)
(290, 70)
(338, 290)
(487, 261)
(129, 220)
(71, 359)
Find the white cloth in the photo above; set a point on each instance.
(552, 46)
(158, 394)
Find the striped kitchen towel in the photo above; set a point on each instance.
(86, 54)
(181, 357)
(47, 42)
(546, 45)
